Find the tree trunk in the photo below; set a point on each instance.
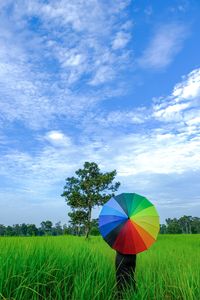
(79, 228)
(88, 226)
(187, 229)
(182, 228)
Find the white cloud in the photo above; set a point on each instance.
(180, 109)
(166, 43)
(189, 88)
(41, 78)
(55, 135)
(73, 60)
(83, 22)
(43, 72)
(139, 159)
(130, 155)
(57, 138)
(153, 151)
(182, 104)
(120, 40)
(171, 112)
(118, 118)
(168, 144)
(103, 74)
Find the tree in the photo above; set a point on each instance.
(66, 229)
(186, 224)
(2, 229)
(78, 219)
(17, 229)
(24, 229)
(95, 227)
(32, 230)
(88, 189)
(9, 231)
(47, 226)
(195, 227)
(58, 228)
(163, 228)
(173, 226)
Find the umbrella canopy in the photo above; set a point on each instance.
(129, 223)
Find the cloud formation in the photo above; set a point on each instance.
(65, 66)
(183, 104)
(59, 62)
(168, 150)
(164, 46)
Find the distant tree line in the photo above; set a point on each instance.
(47, 228)
(185, 224)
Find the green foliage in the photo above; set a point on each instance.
(77, 219)
(32, 230)
(94, 231)
(88, 189)
(95, 227)
(185, 224)
(68, 267)
(46, 226)
(173, 226)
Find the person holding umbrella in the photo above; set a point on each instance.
(125, 265)
(129, 223)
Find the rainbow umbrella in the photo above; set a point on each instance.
(129, 223)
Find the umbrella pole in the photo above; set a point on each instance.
(125, 265)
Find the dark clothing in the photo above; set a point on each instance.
(125, 270)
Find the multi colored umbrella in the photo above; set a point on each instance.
(129, 223)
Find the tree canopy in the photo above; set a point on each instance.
(89, 188)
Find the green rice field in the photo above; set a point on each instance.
(69, 267)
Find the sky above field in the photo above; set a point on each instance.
(115, 82)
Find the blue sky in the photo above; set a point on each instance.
(115, 82)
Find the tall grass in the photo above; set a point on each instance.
(73, 268)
